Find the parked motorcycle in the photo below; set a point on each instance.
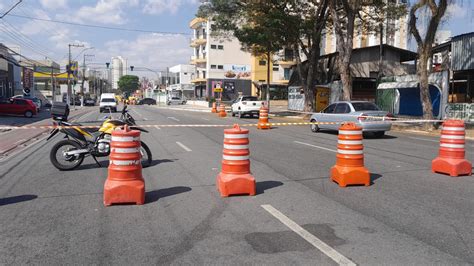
(79, 142)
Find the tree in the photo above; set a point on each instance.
(425, 44)
(128, 83)
(265, 27)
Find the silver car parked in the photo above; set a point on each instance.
(365, 114)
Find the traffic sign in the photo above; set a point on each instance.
(218, 90)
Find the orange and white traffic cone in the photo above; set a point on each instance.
(222, 112)
(125, 183)
(451, 159)
(263, 118)
(349, 168)
(235, 177)
(214, 107)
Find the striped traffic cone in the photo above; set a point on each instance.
(235, 177)
(451, 159)
(263, 118)
(349, 168)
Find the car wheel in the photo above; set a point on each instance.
(379, 134)
(314, 128)
(28, 114)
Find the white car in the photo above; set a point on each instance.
(246, 105)
(108, 102)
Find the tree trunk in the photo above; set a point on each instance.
(422, 72)
(269, 59)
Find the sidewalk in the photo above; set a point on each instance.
(186, 107)
(13, 138)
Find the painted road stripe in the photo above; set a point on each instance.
(173, 118)
(157, 127)
(313, 240)
(314, 146)
(182, 146)
(207, 119)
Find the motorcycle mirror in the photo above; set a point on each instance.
(124, 108)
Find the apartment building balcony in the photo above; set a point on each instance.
(196, 22)
(287, 61)
(195, 42)
(198, 80)
(197, 60)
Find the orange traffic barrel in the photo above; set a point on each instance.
(263, 118)
(349, 168)
(451, 159)
(214, 107)
(235, 177)
(125, 182)
(222, 112)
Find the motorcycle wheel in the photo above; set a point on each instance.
(146, 155)
(67, 162)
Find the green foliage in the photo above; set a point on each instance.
(128, 83)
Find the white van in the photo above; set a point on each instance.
(108, 102)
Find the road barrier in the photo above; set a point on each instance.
(214, 107)
(219, 125)
(349, 168)
(235, 177)
(222, 112)
(263, 118)
(125, 182)
(451, 159)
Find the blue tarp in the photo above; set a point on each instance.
(410, 102)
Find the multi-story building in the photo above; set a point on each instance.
(395, 33)
(119, 69)
(220, 63)
(180, 77)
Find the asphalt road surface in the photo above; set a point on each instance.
(408, 216)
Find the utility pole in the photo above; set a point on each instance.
(69, 88)
(84, 76)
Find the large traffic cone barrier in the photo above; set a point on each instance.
(451, 159)
(263, 118)
(235, 177)
(214, 107)
(125, 183)
(349, 168)
(222, 112)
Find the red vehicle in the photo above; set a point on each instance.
(14, 106)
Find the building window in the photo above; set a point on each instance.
(213, 46)
(287, 73)
(275, 68)
(213, 66)
(262, 63)
(220, 47)
(220, 67)
(204, 74)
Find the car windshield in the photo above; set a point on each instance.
(250, 98)
(365, 106)
(108, 100)
(175, 98)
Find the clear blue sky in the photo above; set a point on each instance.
(153, 50)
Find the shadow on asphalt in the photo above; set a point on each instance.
(17, 199)
(157, 162)
(367, 135)
(265, 185)
(155, 195)
(374, 177)
(106, 164)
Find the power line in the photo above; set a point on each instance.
(98, 26)
(8, 11)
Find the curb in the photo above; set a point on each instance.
(184, 109)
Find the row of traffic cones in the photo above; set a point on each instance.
(263, 122)
(125, 183)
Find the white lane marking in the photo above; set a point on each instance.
(173, 118)
(431, 140)
(157, 127)
(146, 119)
(207, 119)
(313, 240)
(314, 146)
(182, 146)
